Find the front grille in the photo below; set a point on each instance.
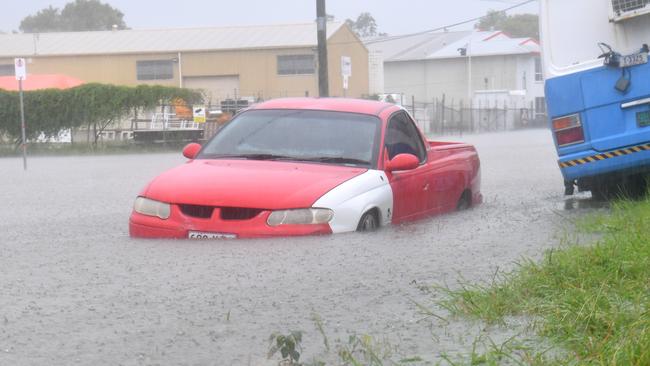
(239, 213)
(623, 6)
(202, 212)
(227, 213)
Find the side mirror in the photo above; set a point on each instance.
(191, 150)
(403, 162)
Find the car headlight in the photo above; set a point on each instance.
(150, 207)
(303, 216)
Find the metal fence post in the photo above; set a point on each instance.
(505, 115)
(471, 116)
(434, 114)
(533, 112)
(413, 107)
(462, 117)
(452, 118)
(479, 116)
(442, 120)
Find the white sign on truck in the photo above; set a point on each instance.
(572, 30)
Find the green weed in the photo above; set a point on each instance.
(589, 300)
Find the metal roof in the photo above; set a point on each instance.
(328, 104)
(413, 47)
(162, 40)
(448, 44)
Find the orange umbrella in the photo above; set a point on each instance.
(35, 82)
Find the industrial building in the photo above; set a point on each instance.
(470, 66)
(251, 62)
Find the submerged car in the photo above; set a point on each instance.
(308, 166)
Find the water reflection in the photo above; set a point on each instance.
(584, 203)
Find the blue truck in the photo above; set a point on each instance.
(595, 57)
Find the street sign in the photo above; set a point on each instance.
(346, 66)
(199, 113)
(346, 82)
(21, 68)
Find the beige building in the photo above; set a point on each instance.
(252, 62)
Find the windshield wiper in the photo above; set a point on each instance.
(249, 156)
(321, 159)
(333, 159)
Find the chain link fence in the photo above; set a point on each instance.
(440, 117)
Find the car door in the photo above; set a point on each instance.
(446, 178)
(411, 188)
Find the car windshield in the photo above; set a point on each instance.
(298, 135)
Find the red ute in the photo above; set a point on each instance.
(308, 166)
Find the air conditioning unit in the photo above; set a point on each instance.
(626, 9)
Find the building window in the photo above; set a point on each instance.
(540, 106)
(7, 70)
(155, 70)
(296, 64)
(539, 74)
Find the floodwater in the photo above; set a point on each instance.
(75, 289)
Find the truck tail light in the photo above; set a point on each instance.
(568, 130)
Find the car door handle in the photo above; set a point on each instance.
(426, 187)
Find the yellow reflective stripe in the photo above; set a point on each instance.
(603, 156)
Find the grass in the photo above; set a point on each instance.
(591, 302)
(510, 352)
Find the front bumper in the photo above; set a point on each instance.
(178, 226)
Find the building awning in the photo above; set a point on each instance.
(36, 82)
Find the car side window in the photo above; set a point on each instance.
(402, 137)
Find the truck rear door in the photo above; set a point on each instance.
(612, 118)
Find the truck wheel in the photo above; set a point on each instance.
(636, 187)
(600, 192)
(632, 187)
(369, 221)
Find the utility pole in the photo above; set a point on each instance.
(469, 69)
(321, 21)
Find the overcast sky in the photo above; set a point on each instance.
(392, 16)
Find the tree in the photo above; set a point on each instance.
(80, 15)
(46, 20)
(365, 26)
(518, 25)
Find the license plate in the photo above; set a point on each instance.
(643, 119)
(204, 235)
(635, 59)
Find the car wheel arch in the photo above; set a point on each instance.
(376, 211)
(465, 200)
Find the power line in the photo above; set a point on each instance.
(388, 39)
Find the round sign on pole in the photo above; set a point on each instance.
(21, 68)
